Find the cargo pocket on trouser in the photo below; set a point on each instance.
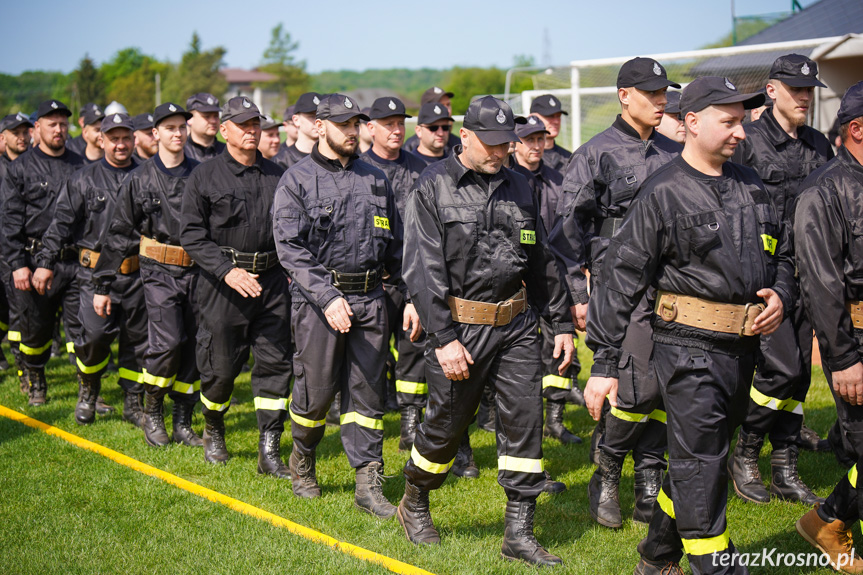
(689, 495)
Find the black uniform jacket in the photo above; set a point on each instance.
(201, 153)
(601, 180)
(412, 143)
(828, 242)
(228, 204)
(83, 210)
(402, 173)
(148, 204)
(547, 184)
(716, 238)
(287, 156)
(556, 157)
(479, 238)
(30, 189)
(330, 217)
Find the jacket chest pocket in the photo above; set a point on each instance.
(768, 227)
(460, 231)
(37, 189)
(96, 201)
(327, 229)
(229, 210)
(151, 203)
(378, 220)
(700, 234)
(856, 248)
(622, 185)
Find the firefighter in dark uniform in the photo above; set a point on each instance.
(435, 95)
(242, 294)
(434, 126)
(829, 251)
(548, 108)
(203, 127)
(704, 234)
(92, 151)
(146, 221)
(784, 151)
(78, 144)
(307, 135)
(29, 193)
(81, 216)
(474, 239)
(269, 145)
(325, 203)
(602, 178)
(402, 168)
(146, 145)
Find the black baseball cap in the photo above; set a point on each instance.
(339, 108)
(672, 105)
(143, 122)
(93, 114)
(87, 106)
(240, 109)
(167, 110)
(492, 120)
(532, 124)
(203, 102)
(645, 74)
(546, 105)
(434, 94)
(113, 121)
(307, 103)
(795, 70)
(714, 91)
(289, 112)
(52, 107)
(12, 121)
(852, 104)
(386, 107)
(431, 113)
(267, 123)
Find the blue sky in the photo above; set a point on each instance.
(333, 34)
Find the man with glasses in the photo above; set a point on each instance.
(433, 129)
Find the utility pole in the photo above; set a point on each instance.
(546, 47)
(158, 89)
(733, 25)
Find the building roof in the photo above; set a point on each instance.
(821, 19)
(241, 76)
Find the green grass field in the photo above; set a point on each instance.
(67, 510)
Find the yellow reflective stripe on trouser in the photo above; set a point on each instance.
(414, 387)
(852, 476)
(4, 326)
(629, 416)
(519, 464)
(215, 406)
(665, 503)
(659, 415)
(300, 420)
(157, 380)
(707, 545)
(34, 350)
(91, 368)
(427, 465)
(70, 347)
(135, 376)
(394, 348)
(552, 380)
(362, 420)
(186, 388)
(271, 404)
(14, 335)
(791, 405)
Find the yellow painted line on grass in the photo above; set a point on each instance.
(389, 563)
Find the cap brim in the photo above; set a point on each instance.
(801, 82)
(116, 126)
(185, 115)
(17, 124)
(749, 101)
(496, 137)
(242, 117)
(382, 116)
(656, 84)
(527, 131)
(546, 112)
(339, 118)
(66, 112)
(205, 109)
(673, 110)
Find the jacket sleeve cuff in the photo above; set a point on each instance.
(102, 289)
(843, 362)
(604, 369)
(223, 269)
(17, 264)
(45, 263)
(561, 327)
(787, 300)
(442, 337)
(331, 295)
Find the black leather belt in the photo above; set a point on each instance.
(609, 226)
(362, 282)
(255, 263)
(66, 252)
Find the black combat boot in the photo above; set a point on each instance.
(269, 455)
(38, 389)
(369, 495)
(133, 410)
(811, 441)
(182, 423)
(551, 486)
(554, 423)
(464, 465)
(743, 468)
(303, 475)
(23, 381)
(576, 396)
(486, 418)
(409, 420)
(786, 483)
(215, 450)
(88, 390)
(603, 492)
(518, 539)
(153, 422)
(648, 482)
(648, 567)
(415, 517)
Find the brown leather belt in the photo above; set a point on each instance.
(164, 253)
(855, 308)
(496, 314)
(705, 314)
(88, 259)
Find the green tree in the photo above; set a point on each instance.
(88, 82)
(278, 60)
(466, 83)
(198, 71)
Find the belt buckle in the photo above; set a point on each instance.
(498, 320)
(366, 283)
(667, 310)
(255, 262)
(85, 257)
(335, 275)
(746, 308)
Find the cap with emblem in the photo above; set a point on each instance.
(672, 105)
(434, 94)
(240, 109)
(492, 121)
(851, 107)
(546, 105)
(307, 103)
(167, 110)
(267, 123)
(339, 108)
(52, 107)
(386, 107)
(113, 121)
(795, 70)
(143, 122)
(203, 102)
(92, 115)
(431, 113)
(12, 121)
(88, 106)
(532, 125)
(289, 112)
(715, 91)
(645, 74)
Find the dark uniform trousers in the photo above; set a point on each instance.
(231, 325)
(169, 362)
(508, 357)
(327, 361)
(33, 316)
(411, 385)
(706, 393)
(555, 387)
(128, 320)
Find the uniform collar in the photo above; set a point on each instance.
(777, 135)
(380, 160)
(458, 171)
(331, 165)
(161, 165)
(623, 126)
(848, 158)
(236, 167)
(209, 148)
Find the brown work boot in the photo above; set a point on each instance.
(414, 516)
(648, 567)
(369, 495)
(304, 480)
(833, 539)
